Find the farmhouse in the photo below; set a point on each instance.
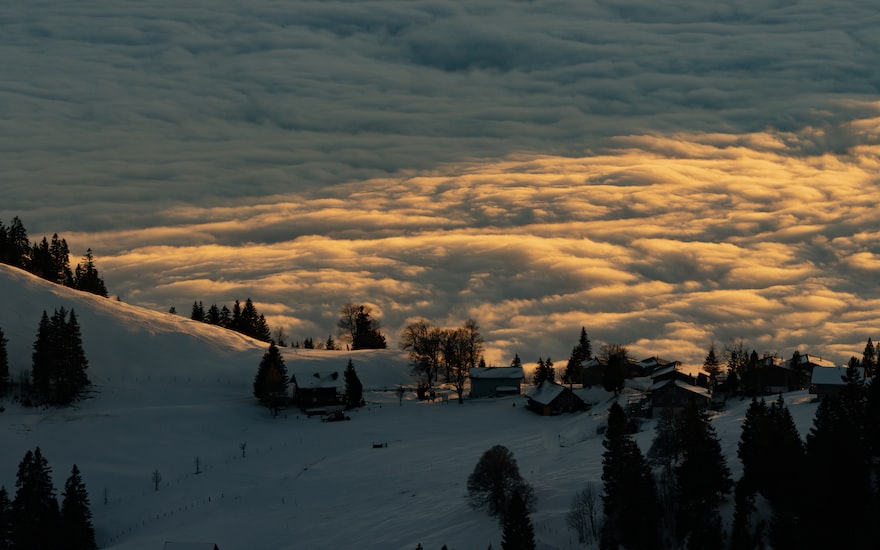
(319, 392)
(828, 380)
(677, 394)
(552, 399)
(495, 381)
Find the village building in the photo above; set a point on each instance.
(677, 394)
(550, 398)
(495, 381)
(319, 393)
(829, 380)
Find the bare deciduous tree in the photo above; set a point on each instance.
(583, 515)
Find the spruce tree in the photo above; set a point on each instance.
(86, 277)
(35, 508)
(702, 479)
(842, 497)
(76, 527)
(4, 365)
(518, 533)
(198, 312)
(354, 390)
(580, 353)
(632, 514)
(270, 382)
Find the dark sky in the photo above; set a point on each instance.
(664, 173)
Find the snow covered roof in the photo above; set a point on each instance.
(545, 393)
(816, 361)
(682, 384)
(319, 380)
(831, 376)
(507, 373)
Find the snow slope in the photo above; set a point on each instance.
(169, 390)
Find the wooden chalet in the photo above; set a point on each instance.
(319, 393)
(495, 381)
(551, 399)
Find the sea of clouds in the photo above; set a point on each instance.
(666, 174)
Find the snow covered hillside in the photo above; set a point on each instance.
(169, 391)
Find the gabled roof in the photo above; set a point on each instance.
(699, 390)
(546, 392)
(505, 373)
(319, 380)
(831, 376)
(816, 361)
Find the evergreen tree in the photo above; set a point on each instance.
(198, 312)
(59, 361)
(869, 359)
(270, 382)
(5, 520)
(702, 479)
(86, 277)
(711, 364)
(212, 316)
(76, 527)
(354, 390)
(60, 253)
(4, 365)
(801, 377)
(367, 335)
(834, 448)
(35, 508)
(544, 372)
(518, 533)
(516, 362)
(330, 344)
(630, 497)
(17, 247)
(580, 353)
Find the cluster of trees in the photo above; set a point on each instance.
(359, 328)
(497, 486)
(49, 260)
(450, 353)
(244, 319)
(271, 382)
(33, 519)
(817, 493)
(58, 372)
(59, 361)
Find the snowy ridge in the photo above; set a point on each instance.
(170, 390)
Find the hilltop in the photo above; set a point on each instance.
(168, 390)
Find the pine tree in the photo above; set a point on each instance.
(5, 520)
(198, 312)
(60, 253)
(834, 448)
(76, 527)
(580, 353)
(518, 533)
(270, 382)
(59, 361)
(4, 365)
(353, 388)
(630, 497)
(516, 362)
(35, 508)
(711, 364)
(869, 360)
(18, 247)
(702, 479)
(86, 277)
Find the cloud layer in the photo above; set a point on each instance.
(664, 174)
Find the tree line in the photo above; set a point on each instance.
(58, 364)
(32, 519)
(243, 319)
(48, 259)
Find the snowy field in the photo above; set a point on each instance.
(169, 391)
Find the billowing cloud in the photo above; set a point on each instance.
(659, 173)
